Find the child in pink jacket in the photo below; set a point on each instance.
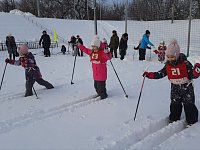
(98, 58)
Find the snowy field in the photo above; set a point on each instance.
(67, 117)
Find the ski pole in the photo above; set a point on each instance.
(119, 79)
(73, 69)
(3, 75)
(35, 93)
(139, 97)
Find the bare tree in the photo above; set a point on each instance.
(7, 5)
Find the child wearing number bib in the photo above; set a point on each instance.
(180, 73)
(98, 57)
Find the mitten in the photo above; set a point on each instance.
(156, 51)
(196, 71)
(9, 61)
(149, 75)
(149, 47)
(106, 51)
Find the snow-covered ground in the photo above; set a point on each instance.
(67, 117)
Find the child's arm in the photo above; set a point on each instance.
(84, 49)
(107, 55)
(156, 75)
(13, 62)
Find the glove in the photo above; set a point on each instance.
(106, 51)
(149, 47)
(156, 51)
(149, 75)
(196, 71)
(9, 61)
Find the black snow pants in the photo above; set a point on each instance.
(142, 53)
(183, 95)
(29, 85)
(47, 52)
(113, 51)
(100, 87)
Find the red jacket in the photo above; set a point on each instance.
(98, 60)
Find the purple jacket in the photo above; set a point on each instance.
(98, 60)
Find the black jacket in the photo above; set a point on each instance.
(45, 40)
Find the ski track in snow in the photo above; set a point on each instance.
(12, 96)
(23, 120)
(148, 136)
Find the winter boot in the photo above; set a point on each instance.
(28, 94)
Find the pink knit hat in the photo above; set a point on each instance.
(173, 49)
(23, 49)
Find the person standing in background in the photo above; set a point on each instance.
(143, 46)
(12, 47)
(79, 40)
(123, 45)
(46, 42)
(114, 43)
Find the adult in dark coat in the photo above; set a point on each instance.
(123, 45)
(11, 45)
(114, 43)
(73, 43)
(79, 40)
(46, 42)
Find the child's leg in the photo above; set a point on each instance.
(176, 103)
(44, 83)
(29, 86)
(95, 86)
(101, 88)
(175, 111)
(191, 111)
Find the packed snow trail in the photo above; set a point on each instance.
(8, 125)
(137, 134)
(158, 137)
(148, 136)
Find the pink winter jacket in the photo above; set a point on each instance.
(98, 60)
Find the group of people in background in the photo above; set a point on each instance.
(74, 42)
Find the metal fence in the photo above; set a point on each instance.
(31, 45)
(186, 31)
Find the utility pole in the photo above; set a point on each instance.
(173, 8)
(100, 10)
(189, 28)
(38, 8)
(95, 19)
(88, 16)
(126, 15)
(74, 10)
